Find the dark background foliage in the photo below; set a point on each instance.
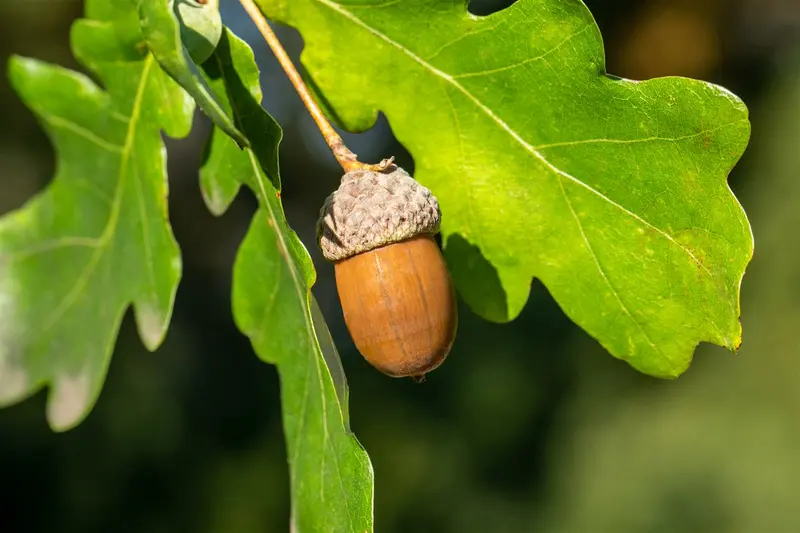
(528, 426)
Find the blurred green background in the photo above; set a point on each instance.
(528, 427)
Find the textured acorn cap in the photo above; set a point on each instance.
(372, 209)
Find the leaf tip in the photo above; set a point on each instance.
(14, 62)
(736, 344)
(665, 367)
(18, 65)
(151, 324)
(215, 201)
(69, 401)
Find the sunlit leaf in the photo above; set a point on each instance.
(612, 192)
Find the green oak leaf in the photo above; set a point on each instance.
(162, 32)
(331, 476)
(612, 192)
(97, 240)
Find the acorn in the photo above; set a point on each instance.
(398, 299)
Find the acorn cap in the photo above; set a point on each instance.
(372, 209)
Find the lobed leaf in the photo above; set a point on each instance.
(97, 240)
(612, 192)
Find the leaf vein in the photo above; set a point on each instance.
(461, 38)
(636, 141)
(540, 57)
(49, 246)
(388, 3)
(603, 273)
(60, 122)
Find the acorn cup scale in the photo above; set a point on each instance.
(396, 293)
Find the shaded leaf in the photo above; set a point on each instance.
(331, 476)
(97, 239)
(162, 33)
(612, 192)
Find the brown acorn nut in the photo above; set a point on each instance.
(396, 293)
